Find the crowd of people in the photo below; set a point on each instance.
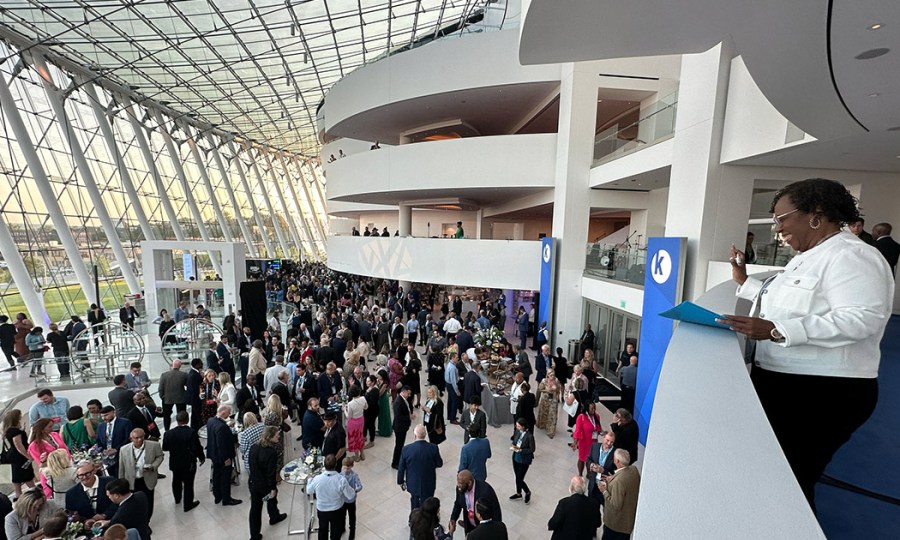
(375, 361)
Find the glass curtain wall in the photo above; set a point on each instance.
(26, 214)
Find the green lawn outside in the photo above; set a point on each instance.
(57, 300)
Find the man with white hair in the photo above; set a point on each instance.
(577, 516)
(417, 471)
(620, 493)
(220, 443)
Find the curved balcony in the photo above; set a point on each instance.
(701, 472)
(437, 81)
(425, 260)
(483, 170)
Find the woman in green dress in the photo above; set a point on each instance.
(77, 433)
(384, 405)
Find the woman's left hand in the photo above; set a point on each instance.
(752, 327)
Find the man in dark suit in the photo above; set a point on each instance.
(112, 434)
(171, 392)
(600, 462)
(313, 426)
(121, 397)
(133, 511)
(220, 450)
(472, 383)
(488, 528)
(248, 392)
(213, 361)
(417, 472)
(335, 441)
(263, 473)
(183, 446)
(226, 362)
(402, 420)
(127, 315)
(88, 497)
(192, 392)
(469, 490)
(464, 341)
(542, 362)
(144, 416)
(474, 454)
(577, 516)
(887, 245)
(474, 416)
(397, 331)
(627, 432)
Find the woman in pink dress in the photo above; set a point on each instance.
(43, 441)
(356, 440)
(587, 429)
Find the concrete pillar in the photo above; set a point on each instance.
(405, 222)
(707, 203)
(571, 203)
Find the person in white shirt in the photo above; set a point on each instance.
(452, 326)
(272, 374)
(227, 392)
(515, 391)
(817, 326)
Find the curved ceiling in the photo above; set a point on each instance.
(808, 57)
(258, 68)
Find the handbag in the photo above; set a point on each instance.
(4, 453)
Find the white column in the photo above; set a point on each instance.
(293, 191)
(188, 193)
(144, 145)
(201, 166)
(706, 204)
(270, 250)
(292, 227)
(68, 134)
(571, 201)
(322, 219)
(265, 193)
(48, 196)
(226, 182)
(479, 223)
(20, 276)
(404, 225)
(314, 213)
(113, 148)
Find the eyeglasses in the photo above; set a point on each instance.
(82, 476)
(777, 219)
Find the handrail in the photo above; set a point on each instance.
(713, 467)
(657, 120)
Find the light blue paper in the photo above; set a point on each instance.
(692, 313)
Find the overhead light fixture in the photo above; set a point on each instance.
(874, 94)
(876, 26)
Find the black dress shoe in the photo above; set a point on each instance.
(515, 496)
(232, 502)
(191, 506)
(527, 497)
(177, 501)
(160, 475)
(217, 501)
(279, 519)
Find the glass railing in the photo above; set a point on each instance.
(616, 262)
(656, 124)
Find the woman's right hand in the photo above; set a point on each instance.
(738, 265)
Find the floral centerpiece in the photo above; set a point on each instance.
(90, 454)
(74, 529)
(489, 339)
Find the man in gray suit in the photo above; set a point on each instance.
(171, 391)
(139, 463)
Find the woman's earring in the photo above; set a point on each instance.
(818, 223)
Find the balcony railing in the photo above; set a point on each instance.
(656, 124)
(616, 262)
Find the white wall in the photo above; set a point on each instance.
(502, 161)
(752, 125)
(651, 158)
(496, 264)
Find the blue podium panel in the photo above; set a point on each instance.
(663, 287)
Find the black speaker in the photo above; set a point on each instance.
(253, 307)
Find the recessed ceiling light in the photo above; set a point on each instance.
(876, 26)
(872, 53)
(874, 94)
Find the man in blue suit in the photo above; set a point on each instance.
(419, 462)
(112, 434)
(475, 453)
(88, 497)
(226, 362)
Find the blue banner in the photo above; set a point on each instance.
(663, 287)
(548, 265)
